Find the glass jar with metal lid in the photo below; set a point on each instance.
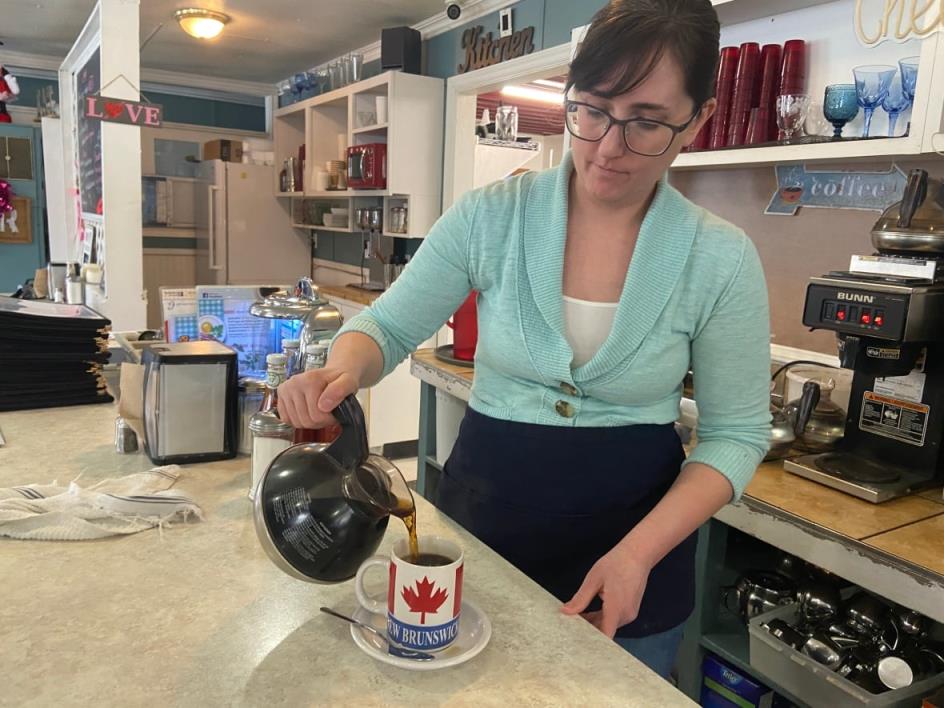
(270, 436)
(251, 393)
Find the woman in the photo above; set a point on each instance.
(599, 286)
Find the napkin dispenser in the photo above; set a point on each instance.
(190, 402)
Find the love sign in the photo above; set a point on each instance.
(118, 110)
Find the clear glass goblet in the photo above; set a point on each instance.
(791, 113)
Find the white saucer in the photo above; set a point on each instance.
(475, 630)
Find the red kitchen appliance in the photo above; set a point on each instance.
(465, 327)
(367, 166)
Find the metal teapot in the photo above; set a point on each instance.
(321, 510)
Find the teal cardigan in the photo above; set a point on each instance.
(694, 296)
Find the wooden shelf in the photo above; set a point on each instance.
(290, 194)
(393, 234)
(348, 193)
(731, 12)
(336, 229)
(879, 149)
(379, 128)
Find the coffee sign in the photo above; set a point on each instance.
(118, 110)
(483, 50)
(798, 187)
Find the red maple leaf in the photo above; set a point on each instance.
(424, 599)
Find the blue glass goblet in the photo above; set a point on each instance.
(909, 76)
(872, 84)
(840, 105)
(895, 103)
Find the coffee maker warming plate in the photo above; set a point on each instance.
(858, 476)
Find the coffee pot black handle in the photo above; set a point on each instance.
(350, 448)
(808, 403)
(915, 193)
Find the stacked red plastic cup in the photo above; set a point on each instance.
(724, 87)
(793, 68)
(701, 140)
(744, 96)
(770, 65)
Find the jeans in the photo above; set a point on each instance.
(657, 651)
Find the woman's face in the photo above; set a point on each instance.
(607, 170)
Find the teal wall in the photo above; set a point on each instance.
(552, 20)
(177, 109)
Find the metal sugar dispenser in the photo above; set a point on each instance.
(887, 311)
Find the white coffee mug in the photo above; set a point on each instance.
(423, 602)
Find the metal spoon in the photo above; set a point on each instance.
(391, 647)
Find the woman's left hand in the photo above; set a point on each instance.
(619, 578)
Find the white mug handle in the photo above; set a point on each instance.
(371, 605)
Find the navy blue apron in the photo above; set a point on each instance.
(553, 500)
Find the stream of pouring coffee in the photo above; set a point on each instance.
(406, 510)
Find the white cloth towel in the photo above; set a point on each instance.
(121, 505)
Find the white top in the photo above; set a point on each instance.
(586, 326)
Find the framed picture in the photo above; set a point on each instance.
(17, 225)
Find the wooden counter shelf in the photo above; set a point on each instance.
(346, 292)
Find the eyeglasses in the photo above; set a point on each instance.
(643, 136)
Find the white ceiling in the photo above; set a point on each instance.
(266, 40)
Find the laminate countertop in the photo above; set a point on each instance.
(196, 614)
(894, 549)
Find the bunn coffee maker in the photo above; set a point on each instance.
(888, 315)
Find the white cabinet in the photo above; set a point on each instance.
(392, 407)
(411, 130)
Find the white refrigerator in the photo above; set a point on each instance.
(244, 233)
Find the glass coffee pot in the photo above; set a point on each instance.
(321, 509)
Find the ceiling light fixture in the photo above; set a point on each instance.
(533, 94)
(559, 85)
(199, 23)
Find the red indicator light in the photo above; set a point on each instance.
(841, 315)
(879, 320)
(866, 319)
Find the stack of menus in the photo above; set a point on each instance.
(51, 355)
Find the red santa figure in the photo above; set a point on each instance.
(9, 90)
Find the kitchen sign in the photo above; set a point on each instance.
(118, 110)
(870, 191)
(483, 50)
(878, 20)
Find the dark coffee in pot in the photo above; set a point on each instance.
(431, 559)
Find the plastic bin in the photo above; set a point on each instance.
(815, 684)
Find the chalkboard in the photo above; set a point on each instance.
(87, 82)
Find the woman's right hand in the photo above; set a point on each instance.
(306, 400)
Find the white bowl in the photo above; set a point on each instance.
(340, 211)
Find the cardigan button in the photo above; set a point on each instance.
(569, 389)
(564, 409)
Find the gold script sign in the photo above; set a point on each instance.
(904, 19)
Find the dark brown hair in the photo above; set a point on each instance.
(628, 38)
